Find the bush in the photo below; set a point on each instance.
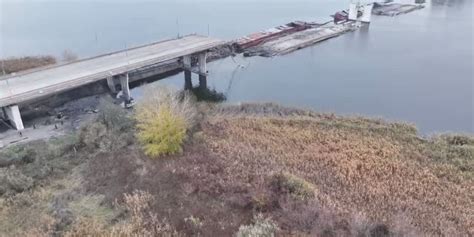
(261, 228)
(12, 181)
(114, 117)
(163, 118)
(16, 155)
(164, 134)
(453, 149)
(112, 129)
(294, 185)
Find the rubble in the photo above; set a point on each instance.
(394, 9)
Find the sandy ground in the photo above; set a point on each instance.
(71, 116)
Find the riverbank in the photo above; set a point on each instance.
(243, 167)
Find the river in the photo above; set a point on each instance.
(416, 67)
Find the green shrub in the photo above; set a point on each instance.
(163, 118)
(261, 228)
(164, 134)
(294, 185)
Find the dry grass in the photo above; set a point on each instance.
(11, 65)
(141, 221)
(262, 227)
(357, 171)
(309, 174)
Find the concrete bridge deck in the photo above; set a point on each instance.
(23, 87)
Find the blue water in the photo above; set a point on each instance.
(416, 67)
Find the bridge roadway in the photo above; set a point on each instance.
(23, 87)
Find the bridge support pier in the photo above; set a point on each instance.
(12, 113)
(111, 84)
(188, 83)
(202, 81)
(124, 82)
(202, 60)
(201, 71)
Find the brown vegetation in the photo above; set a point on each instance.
(252, 170)
(11, 65)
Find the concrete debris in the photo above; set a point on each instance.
(394, 9)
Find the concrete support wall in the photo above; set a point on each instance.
(13, 115)
(124, 82)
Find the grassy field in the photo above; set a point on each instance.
(247, 170)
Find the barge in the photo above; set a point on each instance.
(258, 38)
(299, 40)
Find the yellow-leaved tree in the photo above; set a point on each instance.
(163, 118)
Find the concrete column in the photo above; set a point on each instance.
(187, 62)
(202, 81)
(124, 82)
(202, 60)
(111, 84)
(367, 13)
(188, 83)
(3, 114)
(353, 11)
(13, 115)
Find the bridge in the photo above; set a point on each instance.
(22, 88)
